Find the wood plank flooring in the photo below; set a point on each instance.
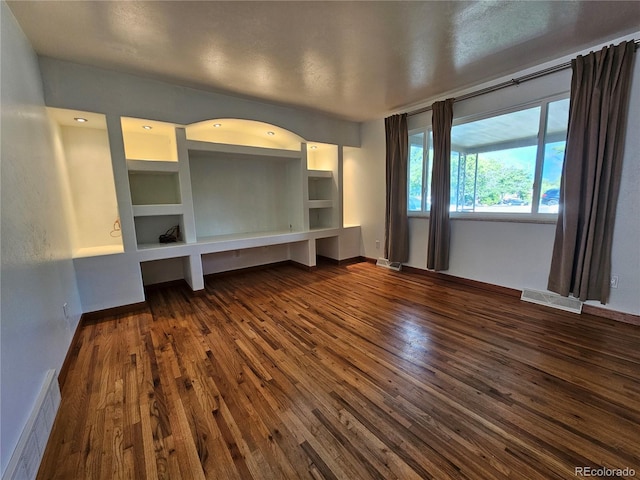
(352, 372)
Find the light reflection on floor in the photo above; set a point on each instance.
(415, 335)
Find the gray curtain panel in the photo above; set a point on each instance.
(581, 261)
(396, 242)
(439, 227)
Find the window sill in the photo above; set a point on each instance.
(542, 218)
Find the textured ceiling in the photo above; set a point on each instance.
(356, 60)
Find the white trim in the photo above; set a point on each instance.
(531, 217)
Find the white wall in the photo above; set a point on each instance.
(364, 187)
(232, 196)
(36, 271)
(510, 254)
(248, 257)
(69, 85)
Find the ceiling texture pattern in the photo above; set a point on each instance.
(354, 60)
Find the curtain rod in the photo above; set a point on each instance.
(508, 83)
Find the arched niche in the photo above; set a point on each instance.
(237, 131)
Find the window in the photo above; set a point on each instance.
(493, 162)
(554, 143)
(419, 184)
(499, 163)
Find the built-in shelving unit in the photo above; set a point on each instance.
(150, 227)
(320, 198)
(154, 184)
(85, 159)
(245, 133)
(246, 180)
(239, 151)
(154, 188)
(152, 166)
(316, 204)
(148, 140)
(320, 174)
(242, 192)
(323, 202)
(157, 210)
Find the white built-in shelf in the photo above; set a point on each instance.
(154, 188)
(98, 251)
(157, 166)
(320, 203)
(261, 239)
(225, 243)
(276, 153)
(221, 243)
(251, 239)
(320, 229)
(320, 193)
(320, 174)
(163, 246)
(150, 227)
(321, 217)
(155, 210)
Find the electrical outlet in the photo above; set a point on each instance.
(614, 281)
(377, 244)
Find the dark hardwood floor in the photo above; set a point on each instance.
(346, 373)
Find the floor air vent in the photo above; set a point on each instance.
(554, 300)
(383, 262)
(26, 457)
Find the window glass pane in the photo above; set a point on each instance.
(416, 171)
(427, 176)
(554, 143)
(493, 163)
(455, 171)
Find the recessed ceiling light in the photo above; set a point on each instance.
(80, 119)
(147, 127)
(313, 147)
(217, 125)
(271, 133)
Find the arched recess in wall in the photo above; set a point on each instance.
(249, 133)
